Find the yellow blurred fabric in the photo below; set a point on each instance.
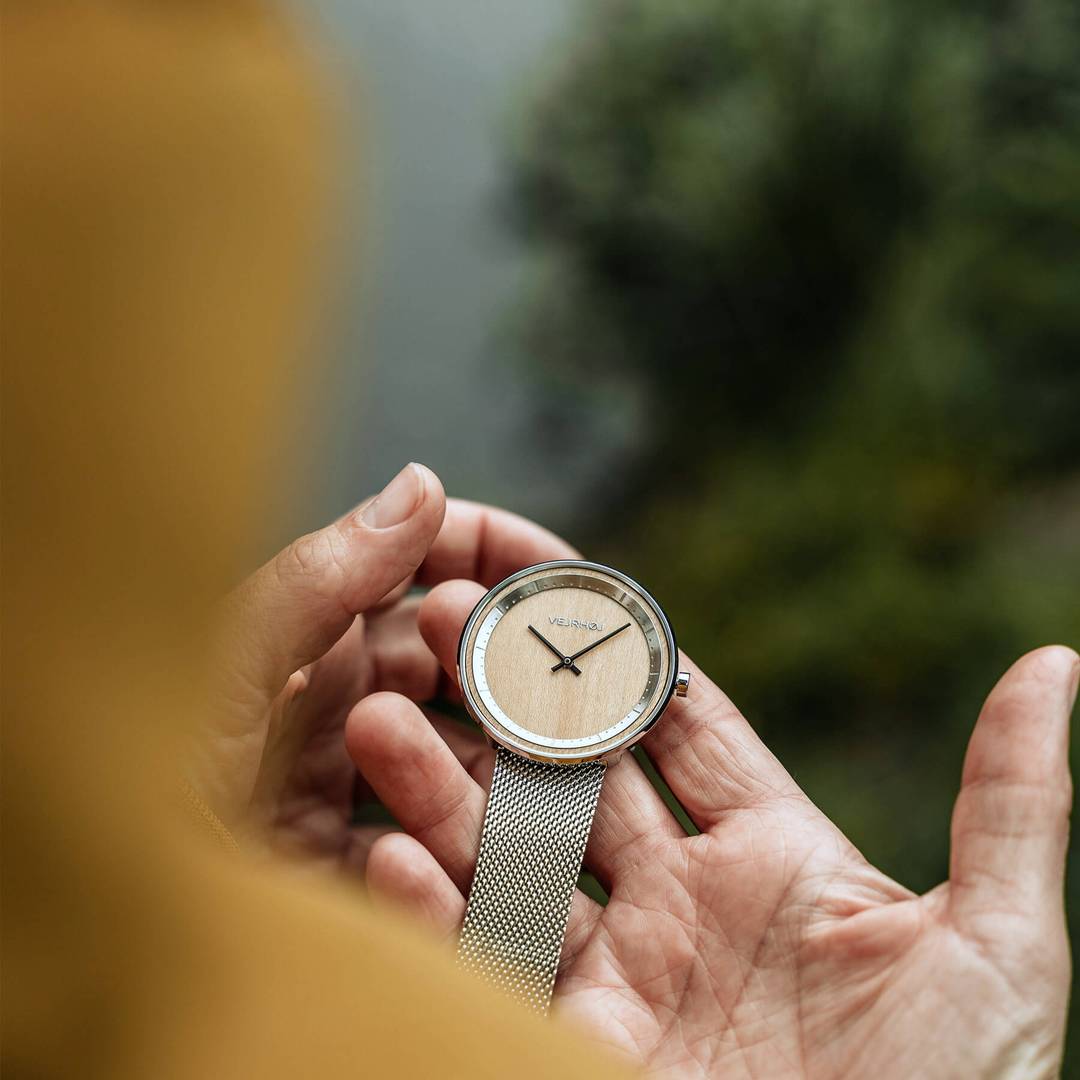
(165, 166)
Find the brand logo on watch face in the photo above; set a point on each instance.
(577, 624)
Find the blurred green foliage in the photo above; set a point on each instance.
(834, 248)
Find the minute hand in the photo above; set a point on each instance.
(593, 644)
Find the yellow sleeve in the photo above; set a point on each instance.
(164, 172)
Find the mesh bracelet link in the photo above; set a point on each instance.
(536, 826)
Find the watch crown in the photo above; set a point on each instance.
(682, 683)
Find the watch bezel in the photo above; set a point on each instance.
(570, 756)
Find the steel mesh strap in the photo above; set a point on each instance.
(535, 829)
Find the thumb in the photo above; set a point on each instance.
(292, 610)
(1011, 822)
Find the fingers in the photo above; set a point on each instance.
(1011, 821)
(629, 820)
(485, 544)
(469, 746)
(399, 658)
(418, 778)
(711, 758)
(361, 842)
(442, 617)
(380, 651)
(416, 775)
(630, 816)
(290, 612)
(709, 755)
(403, 872)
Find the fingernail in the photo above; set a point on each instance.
(396, 502)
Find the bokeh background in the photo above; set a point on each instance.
(773, 303)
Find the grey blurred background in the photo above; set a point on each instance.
(429, 366)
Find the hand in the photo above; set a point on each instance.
(323, 624)
(767, 945)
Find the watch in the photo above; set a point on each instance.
(564, 665)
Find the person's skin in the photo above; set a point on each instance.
(766, 945)
(323, 624)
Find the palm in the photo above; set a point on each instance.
(767, 945)
(694, 962)
(734, 953)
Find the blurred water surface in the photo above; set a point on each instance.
(427, 366)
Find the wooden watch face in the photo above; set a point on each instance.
(567, 661)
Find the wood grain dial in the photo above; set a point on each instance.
(525, 639)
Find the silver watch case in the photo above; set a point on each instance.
(612, 753)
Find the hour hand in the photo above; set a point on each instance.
(564, 661)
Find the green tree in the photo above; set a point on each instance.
(834, 249)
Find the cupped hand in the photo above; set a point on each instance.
(767, 945)
(326, 622)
